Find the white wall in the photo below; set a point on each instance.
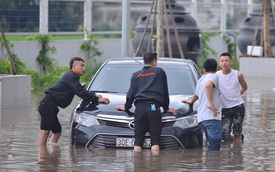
(27, 51)
(258, 67)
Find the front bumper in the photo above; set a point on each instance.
(101, 136)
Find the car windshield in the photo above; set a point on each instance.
(116, 79)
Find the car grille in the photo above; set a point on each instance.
(109, 141)
(126, 125)
(113, 123)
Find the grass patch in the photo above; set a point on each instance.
(52, 37)
(59, 37)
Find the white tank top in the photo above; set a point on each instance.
(230, 89)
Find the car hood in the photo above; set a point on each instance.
(119, 99)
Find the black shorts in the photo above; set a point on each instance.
(48, 110)
(147, 120)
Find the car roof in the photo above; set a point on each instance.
(161, 61)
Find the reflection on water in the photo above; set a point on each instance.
(49, 157)
(20, 131)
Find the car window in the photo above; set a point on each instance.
(180, 80)
(116, 78)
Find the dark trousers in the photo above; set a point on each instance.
(147, 119)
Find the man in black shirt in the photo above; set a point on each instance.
(61, 95)
(148, 91)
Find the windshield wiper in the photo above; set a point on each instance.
(98, 91)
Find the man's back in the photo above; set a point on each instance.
(150, 84)
(204, 113)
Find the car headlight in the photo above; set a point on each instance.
(186, 122)
(85, 119)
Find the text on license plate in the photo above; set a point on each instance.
(129, 142)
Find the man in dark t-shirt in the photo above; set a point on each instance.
(61, 95)
(148, 91)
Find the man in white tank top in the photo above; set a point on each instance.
(209, 117)
(232, 85)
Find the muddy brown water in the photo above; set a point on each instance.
(20, 130)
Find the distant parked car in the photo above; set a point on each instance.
(102, 126)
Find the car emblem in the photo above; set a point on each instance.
(131, 125)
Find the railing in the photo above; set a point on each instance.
(105, 16)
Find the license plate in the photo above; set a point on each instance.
(129, 142)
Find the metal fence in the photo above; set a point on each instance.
(105, 16)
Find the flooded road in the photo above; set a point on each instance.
(20, 130)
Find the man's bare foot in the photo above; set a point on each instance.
(239, 139)
(155, 150)
(137, 149)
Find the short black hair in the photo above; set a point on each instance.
(74, 59)
(226, 54)
(210, 65)
(149, 57)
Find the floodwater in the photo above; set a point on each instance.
(20, 130)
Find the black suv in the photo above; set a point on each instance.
(102, 126)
